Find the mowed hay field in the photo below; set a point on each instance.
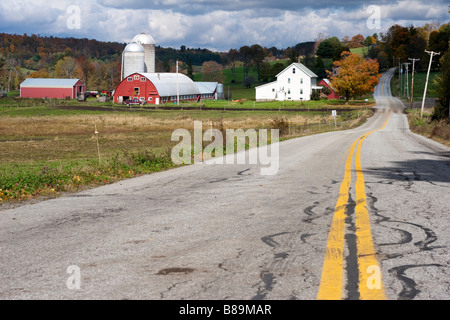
(45, 155)
(60, 138)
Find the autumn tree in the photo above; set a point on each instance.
(12, 74)
(354, 76)
(356, 41)
(212, 71)
(41, 73)
(66, 68)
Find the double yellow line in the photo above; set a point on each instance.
(331, 285)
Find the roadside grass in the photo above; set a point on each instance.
(47, 150)
(436, 130)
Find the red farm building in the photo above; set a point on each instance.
(51, 88)
(327, 83)
(158, 88)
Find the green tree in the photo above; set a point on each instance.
(245, 54)
(442, 81)
(190, 70)
(257, 58)
(329, 47)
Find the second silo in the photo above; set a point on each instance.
(133, 59)
(148, 43)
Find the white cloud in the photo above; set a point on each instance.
(213, 23)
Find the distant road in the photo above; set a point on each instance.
(356, 214)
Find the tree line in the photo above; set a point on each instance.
(98, 63)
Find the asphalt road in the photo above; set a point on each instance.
(357, 214)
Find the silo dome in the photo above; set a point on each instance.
(134, 47)
(143, 39)
(148, 43)
(133, 59)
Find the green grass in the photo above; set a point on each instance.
(362, 51)
(47, 151)
(419, 85)
(22, 181)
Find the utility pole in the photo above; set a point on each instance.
(431, 53)
(178, 91)
(400, 71)
(407, 80)
(412, 80)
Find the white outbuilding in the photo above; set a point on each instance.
(295, 83)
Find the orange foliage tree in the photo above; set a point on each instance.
(354, 76)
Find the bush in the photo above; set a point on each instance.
(282, 124)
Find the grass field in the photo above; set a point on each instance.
(419, 85)
(362, 51)
(50, 147)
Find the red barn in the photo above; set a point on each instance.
(157, 88)
(327, 83)
(51, 88)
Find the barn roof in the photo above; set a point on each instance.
(206, 87)
(166, 84)
(49, 83)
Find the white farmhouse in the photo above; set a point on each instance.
(294, 83)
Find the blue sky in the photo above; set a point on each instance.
(215, 24)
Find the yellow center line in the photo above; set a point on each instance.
(370, 283)
(370, 288)
(332, 273)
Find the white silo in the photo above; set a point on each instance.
(149, 45)
(219, 95)
(133, 59)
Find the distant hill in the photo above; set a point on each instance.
(35, 52)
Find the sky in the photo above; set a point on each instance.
(218, 25)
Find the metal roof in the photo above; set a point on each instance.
(144, 38)
(134, 47)
(206, 87)
(49, 83)
(166, 84)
